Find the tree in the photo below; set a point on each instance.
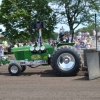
(18, 15)
(89, 29)
(76, 12)
(54, 36)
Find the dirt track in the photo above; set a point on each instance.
(42, 84)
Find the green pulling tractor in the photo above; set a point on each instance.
(65, 60)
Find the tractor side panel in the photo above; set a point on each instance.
(22, 53)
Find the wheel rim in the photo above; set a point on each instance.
(14, 69)
(66, 61)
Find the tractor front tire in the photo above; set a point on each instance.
(23, 68)
(66, 61)
(14, 69)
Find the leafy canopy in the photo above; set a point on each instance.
(17, 17)
(76, 12)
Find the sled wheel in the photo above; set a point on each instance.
(66, 61)
(14, 69)
(23, 68)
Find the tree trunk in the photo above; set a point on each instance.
(72, 32)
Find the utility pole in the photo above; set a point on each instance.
(96, 29)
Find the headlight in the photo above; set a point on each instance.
(32, 48)
(42, 48)
(37, 48)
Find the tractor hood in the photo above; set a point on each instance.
(27, 48)
(33, 52)
(24, 48)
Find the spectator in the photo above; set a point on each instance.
(15, 44)
(83, 42)
(78, 37)
(30, 43)
(70, 38)
(25, 44)
(89, 41)
(65, 38)
(77, 45)
(88, 46)
(5, 44)
(87, 34)
(9, 48)
(61, 33)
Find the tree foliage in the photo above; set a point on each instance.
(17, 17)
(54, 36)
(76, 12)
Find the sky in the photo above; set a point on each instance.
(66, 28)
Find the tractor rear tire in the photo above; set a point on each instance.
(14, 69)
(66, 61)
